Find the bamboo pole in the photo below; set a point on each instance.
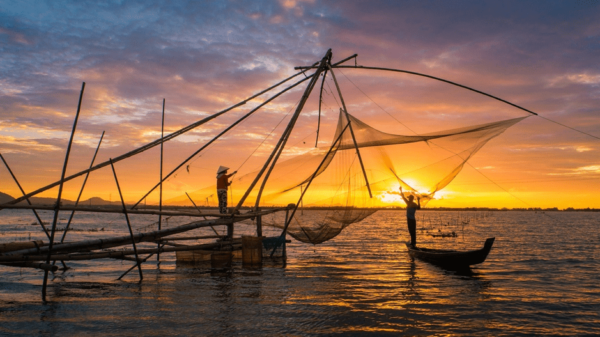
(434, 78)
(283, 139)
(127, 219)
(320, 101)
(221, 134)
(149, 212)
(199, 212)
(117, 253)
(362, 166)
(13, 246)
(153, 143)
(60, 188)
(81, 190)
(37, 216)
(162, 135)
(259, 225)
(201, 237)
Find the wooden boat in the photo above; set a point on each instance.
(452, 259)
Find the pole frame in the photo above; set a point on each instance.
(153, 143)
(221, 134)
(362, 166)
(285, 136)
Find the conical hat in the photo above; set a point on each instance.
(222, 169)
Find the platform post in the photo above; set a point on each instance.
(258, 224)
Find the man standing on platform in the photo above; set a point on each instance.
(411, 220)
(222, 185)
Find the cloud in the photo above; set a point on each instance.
(205, 56)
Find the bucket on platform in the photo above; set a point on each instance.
(251, 250)
(221, 259)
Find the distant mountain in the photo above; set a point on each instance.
(94, 201)
(4, 198)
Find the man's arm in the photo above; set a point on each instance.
(403, 197)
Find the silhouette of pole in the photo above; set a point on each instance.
(60, 189)
(162, 135)
(362, 166)
(127, 219)
(22, 191)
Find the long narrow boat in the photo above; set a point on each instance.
(452, 259)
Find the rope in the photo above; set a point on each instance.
(269, 135)
(568, 127)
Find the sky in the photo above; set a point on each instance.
(205, 56)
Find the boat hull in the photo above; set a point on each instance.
(452, 259)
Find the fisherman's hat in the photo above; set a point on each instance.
(222, 169)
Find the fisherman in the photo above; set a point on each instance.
(411, 220)
(222, 185)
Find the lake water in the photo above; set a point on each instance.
(541, 278)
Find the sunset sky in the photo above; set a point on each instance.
(203, 57)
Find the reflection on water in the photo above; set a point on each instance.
(539, 278)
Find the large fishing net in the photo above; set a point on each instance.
(338, 193)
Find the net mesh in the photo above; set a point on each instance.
(338, 188)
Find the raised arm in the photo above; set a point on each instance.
(402, 195)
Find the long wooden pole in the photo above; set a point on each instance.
(81, 190)
(272, 160)
(198, 209)
(120, 253)
(431, 77)
(60, 189)
(320, 102)
(127, 219)
(362, 166)
(153, 143)
(28, 201)
(162, 135)
(147, 212)
(221, 134)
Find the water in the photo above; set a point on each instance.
(541, 278)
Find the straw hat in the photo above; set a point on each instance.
(222, 169)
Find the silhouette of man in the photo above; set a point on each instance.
(411, 220)
(222, 185)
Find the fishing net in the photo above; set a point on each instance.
(338, 189)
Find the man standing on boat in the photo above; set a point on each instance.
(411, 220)
(222, 185)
